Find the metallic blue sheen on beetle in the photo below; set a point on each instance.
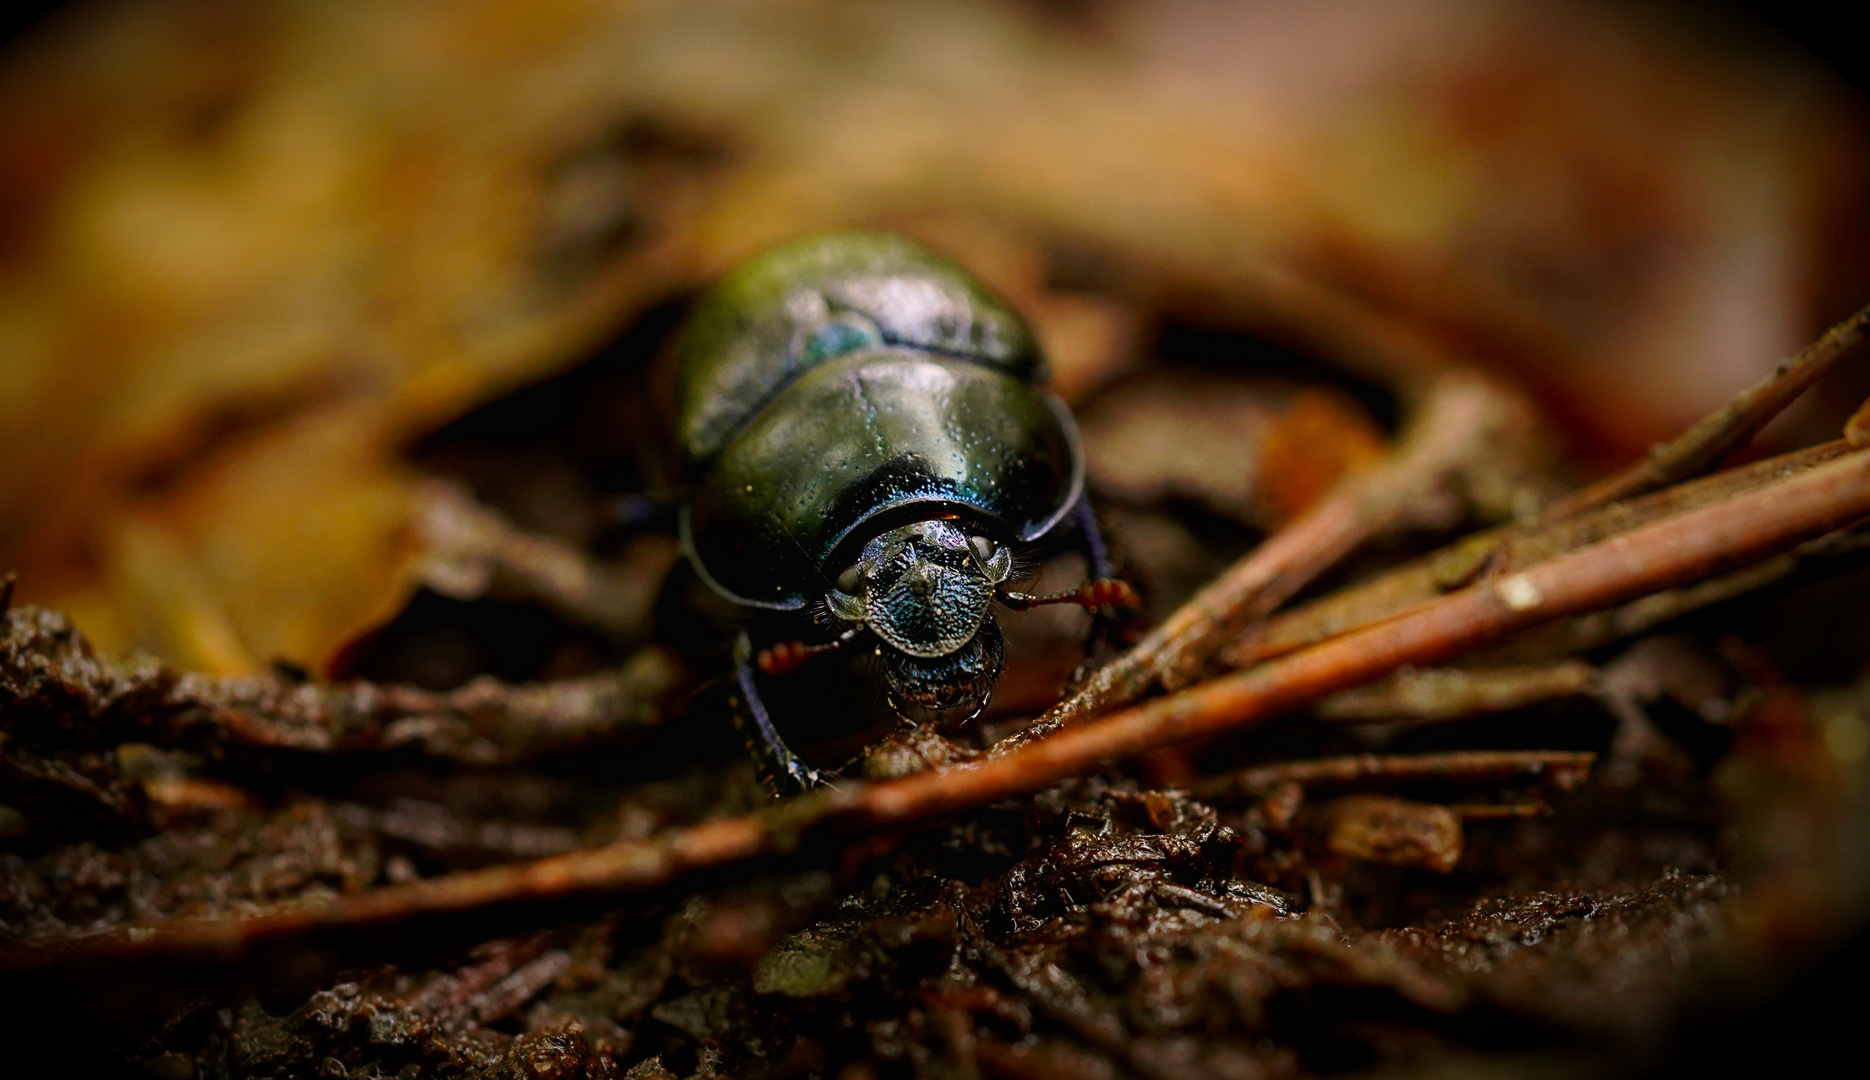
(866, 440)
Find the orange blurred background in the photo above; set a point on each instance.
(252, 254)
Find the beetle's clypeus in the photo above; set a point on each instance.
(866, 443)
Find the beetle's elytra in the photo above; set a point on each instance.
(866, 442)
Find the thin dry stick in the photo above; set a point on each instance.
(1828, 554)
(59, 694)
(1563, 769)
(1499, 552)
(1740, 530)
(1723, 431)
(1460, 420)
(485, 722)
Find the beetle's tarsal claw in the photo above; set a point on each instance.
(775, 766)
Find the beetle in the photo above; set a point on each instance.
(867, 443)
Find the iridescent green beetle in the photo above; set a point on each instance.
(867, 442)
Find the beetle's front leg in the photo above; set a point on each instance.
(778, 767)
(786, 657)
(1099, 594)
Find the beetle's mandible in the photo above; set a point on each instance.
(866, 441)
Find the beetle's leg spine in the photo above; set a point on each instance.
(777, 766)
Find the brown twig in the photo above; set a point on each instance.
(485, 722)
(1561, 768)
(1458, 430)
(1723, 431)
(57, 695)
(1826, 555)
(1499, 552)
(1742, 529)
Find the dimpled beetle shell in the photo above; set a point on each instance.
(847, 383)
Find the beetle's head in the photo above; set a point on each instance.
(926, 590)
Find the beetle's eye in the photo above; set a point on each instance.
(850, 580)
(983, 547)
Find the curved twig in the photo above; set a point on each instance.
(57, 694)
(1502, 551)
